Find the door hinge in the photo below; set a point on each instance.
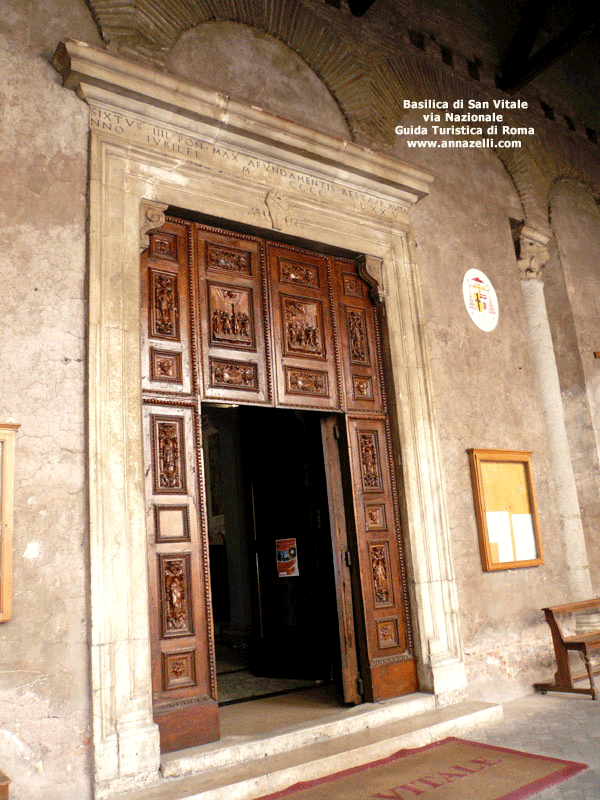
(360, 686)
(336, 432)
(348, 558)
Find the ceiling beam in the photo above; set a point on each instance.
(518, 72)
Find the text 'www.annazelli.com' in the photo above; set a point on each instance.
(466, 143)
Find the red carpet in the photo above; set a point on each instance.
(453, 769)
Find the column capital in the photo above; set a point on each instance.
(533, 251)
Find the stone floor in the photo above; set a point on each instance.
(564, 726)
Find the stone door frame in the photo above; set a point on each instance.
(157, 141)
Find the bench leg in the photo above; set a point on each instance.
(588, 666)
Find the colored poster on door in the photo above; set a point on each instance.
(287, 558)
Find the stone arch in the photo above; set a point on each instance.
(540, 165)
(139, 29)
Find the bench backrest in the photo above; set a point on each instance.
(568, 608)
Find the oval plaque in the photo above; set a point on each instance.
(480, 299)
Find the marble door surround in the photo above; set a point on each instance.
(158, 141)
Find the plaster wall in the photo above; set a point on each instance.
(486, 396)
(255, 68)
(44, 686)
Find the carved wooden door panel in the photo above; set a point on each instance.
(387, 660)
(305, 358)
(232, 289)
(182, 651)
(229, 317)
(340, 518)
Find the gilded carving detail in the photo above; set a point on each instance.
(381, 574)
(303, 333)
(230, 314)
(369, 460)
(233, 375)
(165, 312)
(357, 336)
(228, 259)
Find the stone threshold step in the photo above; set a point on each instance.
(232, 750)
(271, 773)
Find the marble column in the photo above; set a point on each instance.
(533, 254)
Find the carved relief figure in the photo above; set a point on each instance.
(175, 595)
(162, 247)
(165, 366)
(304, 274)
(177, 668)
(165, 305)
(227, 259)
(230, 316)
(369, 460)
(358, 338)
(388, 634)
(363, 388)
(228, 374)
(168, 453)
(352, 286)
(302, 327)
(380, 574)
(307, 382)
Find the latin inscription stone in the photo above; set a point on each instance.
(211, 156)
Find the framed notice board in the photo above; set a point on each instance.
(505, 507)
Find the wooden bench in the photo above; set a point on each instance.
(583, 643)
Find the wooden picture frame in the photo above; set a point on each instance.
(7, 467)
(506, 509)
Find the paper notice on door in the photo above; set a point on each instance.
(287, 558)
(498, 525)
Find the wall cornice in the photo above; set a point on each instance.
(96, 75)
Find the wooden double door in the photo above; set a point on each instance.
(279, 332)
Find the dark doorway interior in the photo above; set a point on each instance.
(273, 587)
